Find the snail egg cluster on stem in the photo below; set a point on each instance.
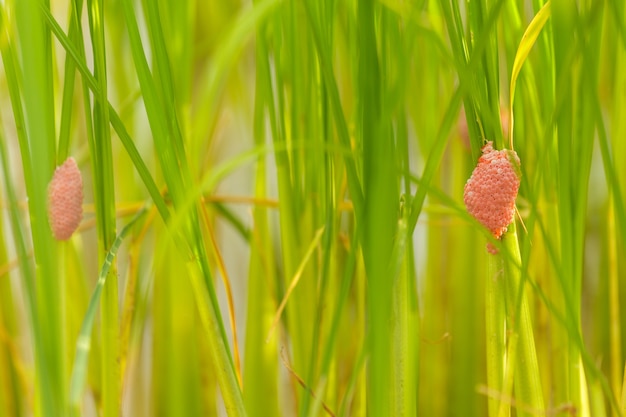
(490, 192)
(65, 200)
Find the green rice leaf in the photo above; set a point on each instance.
(526, 44)
(83, 343)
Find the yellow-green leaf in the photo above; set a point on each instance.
(526, 44)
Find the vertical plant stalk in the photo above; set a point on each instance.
(528, 390)
(229, 386)
(105, 200)
(13, 393)
(405, 325)
(495, 314)
(616, 224)
(259, 356)
(615, 343)
(50, 388)
(379, 217)
(83, 343)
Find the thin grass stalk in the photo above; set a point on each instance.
(176, 383)
(259, 354)
(528, 389)
(354, 400)
(495, 313)
(102, 159)
(616, 218)
(395, 68)
(468, 290)
(11, 67)
(597, 399)
(616, 212)
(162, 344)
(227, 379)
(228, 289)
(615, 343)
(69, 78)
(9, 61)
(407, 336)
(50, 391)
(10, 393)
(83, 343)
(132, 292)
(507, 382)
(13, 394)
(347, 278)
(179, 28)
(405, 327)
(563, 27)
(380, 214)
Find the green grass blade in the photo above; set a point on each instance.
(37, 93)
(83, 344)
(14, 393)
(261, 362)
(380, 213)
(526, 44)
(229, 386)
(528, 388)
(495, 313)
(68, 91)
(105, 201)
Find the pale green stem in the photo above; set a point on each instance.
(231, 393)
(495, 313)
(528, 389)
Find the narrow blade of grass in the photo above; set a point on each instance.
(83, 343)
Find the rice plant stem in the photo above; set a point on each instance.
(39, 116)
(260, 357)
(528, 388)
(495, 313)
(83, 343)
(105, 200)
(227, 379)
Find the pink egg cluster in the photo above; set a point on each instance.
(65, 200)
(491, 190)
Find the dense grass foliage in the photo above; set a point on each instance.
(274, 220)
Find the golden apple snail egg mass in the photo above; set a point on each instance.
(491, 190)
(65, 200)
